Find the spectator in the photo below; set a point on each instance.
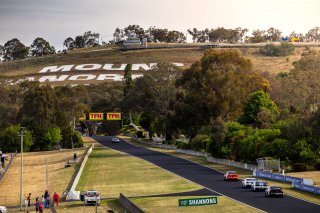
(40, 207)
(29, 200)
(75, 157)
(46, 199)
(56, 198)
(37, 204)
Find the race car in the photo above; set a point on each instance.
(274, 191)
(259, 186)
(248, 182)
(231, 175)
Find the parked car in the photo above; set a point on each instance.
(273, 191)
(248, 182)
(3, 209)
(115, 140)
(91, 197)
(259, 186)
(231, 175)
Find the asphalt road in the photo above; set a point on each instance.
(213, 179)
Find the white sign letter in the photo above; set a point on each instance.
(110, 67)
(114, 77)
(82, 77)
(143, 66)
(84, 67)
(63, 68)
(53, 78)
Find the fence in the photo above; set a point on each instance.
(133, 137)
(307, 188)
(126, 203)
(164, 146)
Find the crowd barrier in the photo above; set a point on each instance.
(307, 188)
(277, 177)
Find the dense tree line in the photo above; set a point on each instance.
(15, 50)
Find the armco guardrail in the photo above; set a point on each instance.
(191, 152)
(164, 146)
(307, 188)
(127, 204)
(133, 137)
(232, 163)
(277, 177)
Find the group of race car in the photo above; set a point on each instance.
(255, 185)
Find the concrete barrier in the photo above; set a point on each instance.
(307, 188)
(3, 173)
(232, 163)
(70, 195)
(127, 204)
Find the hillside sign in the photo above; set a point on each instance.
(198, 201)
(97, 72)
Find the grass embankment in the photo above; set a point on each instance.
(170, 205)
(34, 175)
(111, 172)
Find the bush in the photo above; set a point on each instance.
(284, 49)
(200, 142)
(317, 166)
(299, 167)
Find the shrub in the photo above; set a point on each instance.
(299, 167)
(284, 49)
(317, 166)
(199, 143)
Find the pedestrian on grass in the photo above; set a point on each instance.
(56, 198)
(29, 200)
(46, 196)
(40, 207)
(75, 157)
(37, 204)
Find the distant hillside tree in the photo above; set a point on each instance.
(69, 43)
(313, 35)
(79, 42)
(14, 50)
(41, 47)
(91, 39)
(258, 36)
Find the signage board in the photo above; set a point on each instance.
(198, 201)
(96, 116)
(114, 116)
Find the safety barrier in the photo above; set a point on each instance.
(277, 177)
(165, 146)
(3, 173)
(191, 152)
(307, 188)
(232, 163)
(127, 204)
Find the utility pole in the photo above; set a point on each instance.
(21, 133)
(46, 173)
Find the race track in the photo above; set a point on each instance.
(212, 179)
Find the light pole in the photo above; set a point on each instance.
(21, 133)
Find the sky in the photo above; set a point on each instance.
(55, 20)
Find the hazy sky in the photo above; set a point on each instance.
(55, 20)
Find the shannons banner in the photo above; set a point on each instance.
(277, 177)
(198, 201)
(307, 188)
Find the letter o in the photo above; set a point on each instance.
(85, 67)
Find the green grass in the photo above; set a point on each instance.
(112, 172)
(170, 205)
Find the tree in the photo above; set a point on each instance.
(273, 34)
(11, 142)
(194, 33)
(257, 102)
(216, 86)
(69, 43)
(91, 39)
(79, 42)
(41, 47)
(128, 79)
(258, 36)
(14, 50)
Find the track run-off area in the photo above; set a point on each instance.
(212, 179)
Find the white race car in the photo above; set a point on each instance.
(3, 209)
(248, 182)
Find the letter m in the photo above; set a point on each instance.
(62, 68)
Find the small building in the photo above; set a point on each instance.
(132, 40)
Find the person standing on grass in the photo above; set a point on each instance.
(29, 200)
(40, 207)
(56, 198)
(37, 204)
(46, 196)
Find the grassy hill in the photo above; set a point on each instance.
(112, 55)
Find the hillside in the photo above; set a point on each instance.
(114, 57)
